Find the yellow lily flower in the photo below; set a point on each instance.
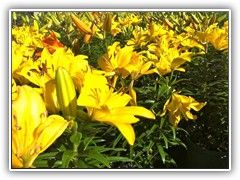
(172, 60)
(139, 66)
(110, 107)
(156, 31)
(18, 55)
(180, 106)
(32, 131)
(86, 29)
(129, 20)
(28, 36)
(25, 40)
(190, 42)
(43, 70)
(116, 27)
(122, 61)
(218, 38)
(139, 38)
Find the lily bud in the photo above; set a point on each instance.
(87, 38)
(82, 27)
(107, 25)
(213, 19)
(151, 28)
(168, 23)
(195, 19)
(66, 94)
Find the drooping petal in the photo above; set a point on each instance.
(136, 111)
(146, 67)
(197, 106)
(105, 63)
(175, 119)
(127, 131)
(177, 62)
(180, 106)
(190, 115)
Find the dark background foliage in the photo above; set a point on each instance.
(207, 79)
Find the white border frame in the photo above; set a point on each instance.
(121, 10)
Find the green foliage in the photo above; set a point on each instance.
(84, 149)
(207, 79)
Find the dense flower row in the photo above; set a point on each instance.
(49, 82)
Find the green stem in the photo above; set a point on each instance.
(131, 152)
(74, 131)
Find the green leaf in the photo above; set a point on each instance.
(162, 153)
(99, 157)
(49, 155)
(162, 122)
(221, 18)
(41, 164)
(174, 132)
(57, 164)
(149, 132)
(14, 15)
(43, 159)
(76, 138)
(149, 148)
(150, 101)
(165, 141)
(116, 141)
(27, 19)
(87, 141)
(81, 164)
(62, 148)
(66, 158)
(105, 149)
(118, 158)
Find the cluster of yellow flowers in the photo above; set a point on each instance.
(49, 82)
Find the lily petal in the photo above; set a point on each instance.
(135, 110)
(50, 130)
(114, 116)
(127, 131)
(27, 110)
(118, 100)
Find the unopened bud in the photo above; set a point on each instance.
(82, 27)
(107, 25)
(66, 94)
